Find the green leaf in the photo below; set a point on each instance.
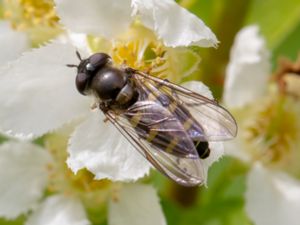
(289, 47)
(2, 139)
(19, 221)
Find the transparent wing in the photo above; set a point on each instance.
(161, 128)
(185, 171)
(214, 122)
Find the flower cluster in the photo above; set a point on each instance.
(269, 129)
(40, 102)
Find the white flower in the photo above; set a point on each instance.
(248, 69)
(59, 209)
(12, 43)
(272, 197)
(39, 102)
(135, 205)
(273, 194)
(25, 175)
(39, 94)
(246, 77)
(35, 19)
(172, 23)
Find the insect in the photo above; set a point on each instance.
(168, 124)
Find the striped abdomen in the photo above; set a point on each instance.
(165, 124)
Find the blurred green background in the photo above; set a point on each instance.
(279, 22)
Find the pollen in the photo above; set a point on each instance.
(63, 180)
(137, 48)
(30, 13)
(272, 130)
(141, 54)
(35, 17)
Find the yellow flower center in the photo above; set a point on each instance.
(63, 180)
(30, 13)
(37, 18)
(93, 194)
(138, 54)
(140, 49)
(137, 48)
(272, 130)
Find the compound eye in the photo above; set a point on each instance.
(97, 61)
(81, 82)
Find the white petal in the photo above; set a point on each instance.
(272, 198)
(99, 147)
(248, 70)
(59, 210)
(77, 39)
(98, 17)
(38, 92)
(174, 24)
(23, 177)
(199, 88)
(12, 43)
(136, 204)
(216, 152)
(236, 148)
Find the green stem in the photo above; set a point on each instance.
(184, 196)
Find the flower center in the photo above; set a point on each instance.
(36, 18)
(137, 48)
(30, 13)
(140, 54)
(140, 49)
(93, 194)
(272, 130)
(63, 180)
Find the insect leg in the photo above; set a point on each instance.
(94, 105)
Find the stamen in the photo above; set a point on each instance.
(62, 179)
(140, 49)
(30, 13)
(272, 129)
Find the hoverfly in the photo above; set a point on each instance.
(168, 124)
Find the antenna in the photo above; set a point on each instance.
(78, 55)
(72, 65)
